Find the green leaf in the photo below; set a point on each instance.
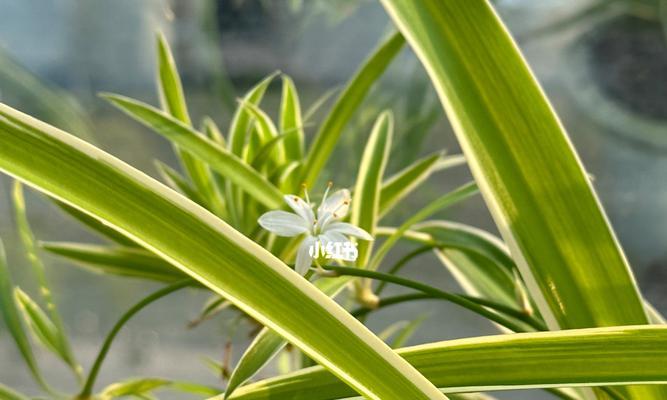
(266, 345)
(223, 162)
(530, 176)
(239, 130)
(465, 237)
(524, 162)
(132, 387)
(212, 131)
(169, 84)
(582, 357)
(55, 105)
(291, 123)
(59, 338)
(447, 200)
(95, 225)
(172, 100)
(213, 306)
(241, 122)
(122, 261)
(39, 324)
(10, 314)
(404, 182)
(177, 182)
(346, 105)
(407, 331)
(477, 260)
(366, 204)
(209, 250)
(10, 394)
(264, 153)
(267, 132)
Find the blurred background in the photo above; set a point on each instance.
(603, 64)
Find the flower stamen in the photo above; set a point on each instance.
(305, 192)
(326, 192)
(343, 204)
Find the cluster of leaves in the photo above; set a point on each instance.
(201, 231)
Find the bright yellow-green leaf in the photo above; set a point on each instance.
(346, 105)
(366, 202)
(122, 261)
(223, 162)
(172, 99)
(209, 250)
(582, 357)
(291, 123)
(528, 172)
(10, 314)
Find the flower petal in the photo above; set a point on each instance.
(333, 236)
(283, 223)
(337, 204)
(303, 258)
(340, 248)
(301, 207)
(348, 229)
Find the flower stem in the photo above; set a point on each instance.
(104, 350)
(474, 304)
(401, 263)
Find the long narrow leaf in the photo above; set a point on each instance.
(268, 343)
(95, 225)
(291, 123)
(263, 348)
(122, 261)
(366, 204)
(10, 314)
(529, 174)
(404, 182)
(218, 158)
(177, 182)
(209, 250)
(582, 357)
(172, 99)
(39, 324)
(525, 165)
(347, 103)
(448, 199)
(9, 394)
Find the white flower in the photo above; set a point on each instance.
(320, 231)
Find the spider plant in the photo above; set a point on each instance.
(557, 284)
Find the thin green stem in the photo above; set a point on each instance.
(92, 375)
(390, 301)
(476, 305)
(401, 263)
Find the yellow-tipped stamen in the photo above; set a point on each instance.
(304, 187)
(345, 203)
(326, 192)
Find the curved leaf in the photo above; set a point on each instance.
(366, 202)
(403, 182)
(209, 250)
(527, 169)
(291, 123)
(223, 162)
(10, 314)
(582, 357)
(347, 103)
(122, 261)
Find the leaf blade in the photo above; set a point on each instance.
(225, 163)
(208, 249)
(581, 357)
(346, 104)
(366, 204)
